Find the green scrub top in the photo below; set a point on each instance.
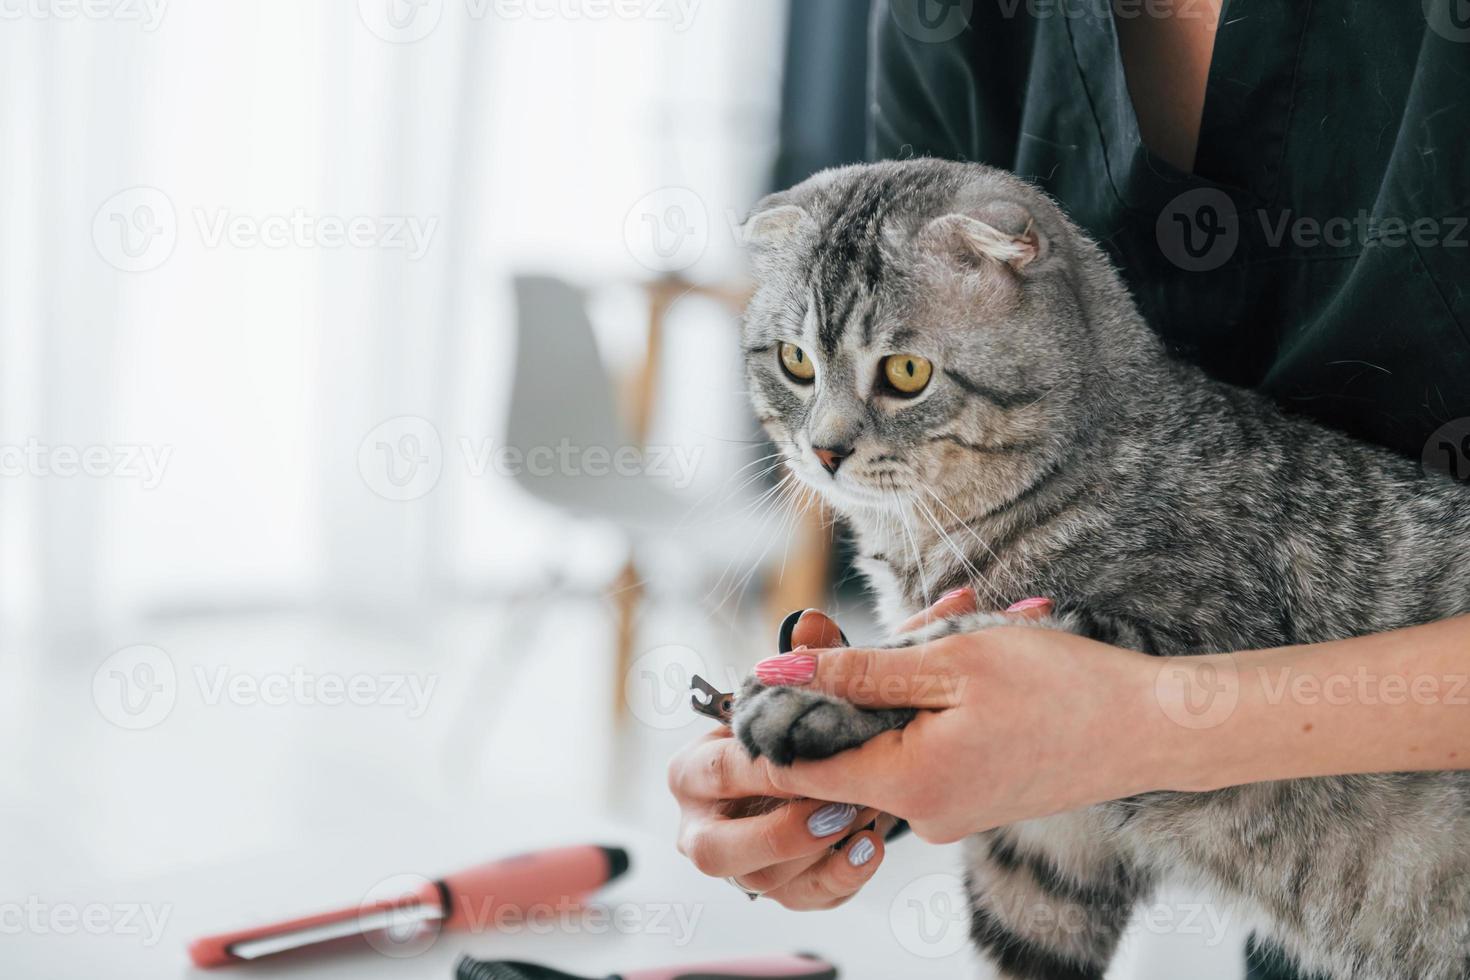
(1320, 251)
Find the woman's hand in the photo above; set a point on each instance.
(736, 823)
(1021, 722)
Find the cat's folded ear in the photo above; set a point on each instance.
(998, 234)
(772, 223)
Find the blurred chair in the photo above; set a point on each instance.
(562, 393)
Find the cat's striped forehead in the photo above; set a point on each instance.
(847, 282)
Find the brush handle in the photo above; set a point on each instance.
(218, 950)
(547, 880)
(800, 967)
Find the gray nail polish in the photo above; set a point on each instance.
(862, 852)
(831, 818)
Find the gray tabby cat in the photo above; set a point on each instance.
(1031, 414)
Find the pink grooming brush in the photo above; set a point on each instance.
(467, 899)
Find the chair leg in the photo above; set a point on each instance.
(626, 594)
(804, 583)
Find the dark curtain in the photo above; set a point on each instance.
(824, 91)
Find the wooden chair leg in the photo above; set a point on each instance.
(626, 594)
(804, 583)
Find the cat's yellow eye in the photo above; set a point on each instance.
(796, 363)
(907, 373)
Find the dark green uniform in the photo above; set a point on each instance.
(1320, 250)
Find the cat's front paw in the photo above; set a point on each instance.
(789, 723)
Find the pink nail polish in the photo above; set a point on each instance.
(953, 594)
(789, 668)
(1025, 604)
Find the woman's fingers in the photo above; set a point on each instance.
(908, 677)
(723, 847)
(771, 878)
(879, 771)
(717, 767)
(951, 604)
(815, 628)
(834, 878)
(962, 601)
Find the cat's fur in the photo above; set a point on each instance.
(1066, 455)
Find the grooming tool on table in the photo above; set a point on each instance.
(710, 702)
(469, 898)
(803, 966)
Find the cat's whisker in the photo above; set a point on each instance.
(999, 565)
(970, 569)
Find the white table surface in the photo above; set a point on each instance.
(227, 815)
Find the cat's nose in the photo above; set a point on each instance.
(831, 458)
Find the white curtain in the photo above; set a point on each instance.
(237, 238)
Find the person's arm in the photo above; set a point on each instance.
(1391, 702)
(1034, 722)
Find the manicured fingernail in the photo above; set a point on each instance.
(861, 853)
(783, 636)
(831, 818)
(1025, 604)
(789, 668)
(954, 594)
